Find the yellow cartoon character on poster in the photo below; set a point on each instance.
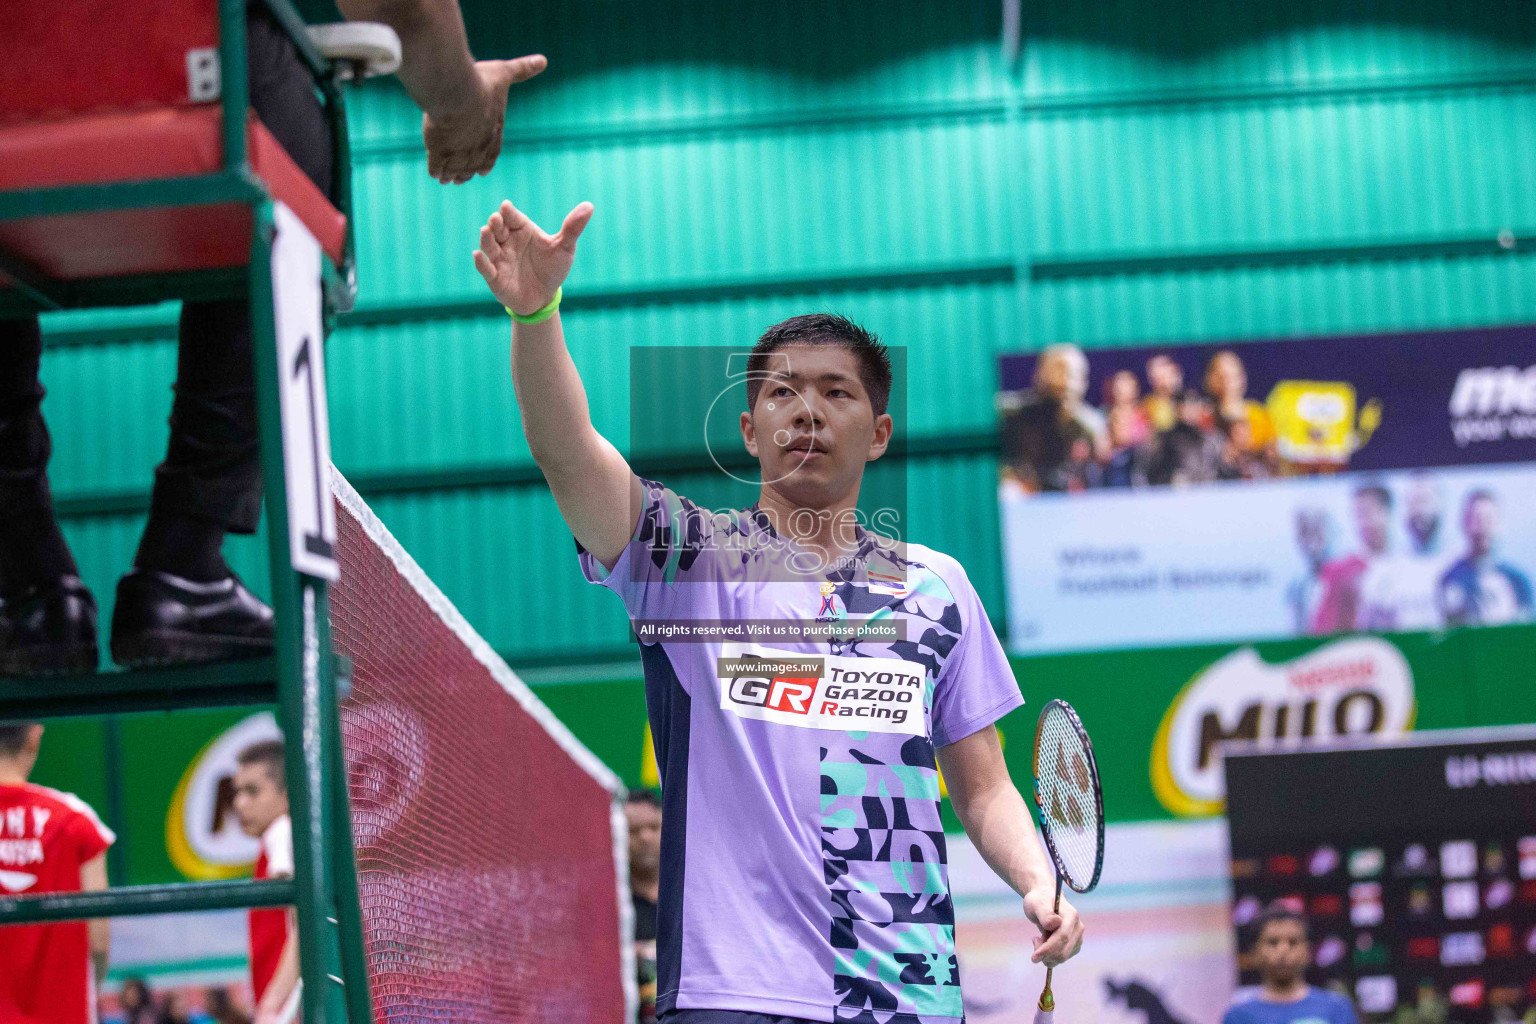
(1317, 429)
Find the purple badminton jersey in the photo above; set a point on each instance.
(803, 859)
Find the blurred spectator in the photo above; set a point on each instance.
(1121, 392)
(1418, 570)
(1126, 464)
(1304, 594)
(1478, 589)
(138, 1006)
(1353, 594)
(1127, 433)
(1426, 504)
(1189, 452)
(1282, 952)
(643, 811)
(1226, 381)
(222, 1008)
(135, 1004)
(1239, 459)
(1051, 438)
(1164, 382)
(172, 1010)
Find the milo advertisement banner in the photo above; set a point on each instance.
(1189, 494)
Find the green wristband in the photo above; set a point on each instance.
(538, 316)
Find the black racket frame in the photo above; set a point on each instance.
(1098, 795)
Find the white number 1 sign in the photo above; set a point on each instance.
(301, 385)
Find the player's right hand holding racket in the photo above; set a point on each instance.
(1061, 929)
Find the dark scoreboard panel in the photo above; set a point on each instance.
(1415, 864)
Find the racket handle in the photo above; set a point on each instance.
(1045, 1010)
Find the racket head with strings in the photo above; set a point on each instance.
(1069, 796)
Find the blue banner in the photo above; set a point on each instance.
(1389, 401)
(1186, 494)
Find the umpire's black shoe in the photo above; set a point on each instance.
(48, 630)
(162, 619)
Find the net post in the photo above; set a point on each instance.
(349, 913)
(297, 602)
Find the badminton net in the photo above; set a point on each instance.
(489, 844)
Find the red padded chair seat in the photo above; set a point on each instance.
(157, 143)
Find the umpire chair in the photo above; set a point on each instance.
(128, 125)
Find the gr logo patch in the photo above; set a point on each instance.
(780, 693)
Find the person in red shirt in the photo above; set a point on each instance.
(49, 842)
(261, 805)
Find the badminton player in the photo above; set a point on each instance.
(803, 872)
(261, 807)
(49, 842)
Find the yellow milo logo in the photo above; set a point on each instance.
(203, 838)
(1316, 422)
(1359, 686)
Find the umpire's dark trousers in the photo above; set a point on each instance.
(212, 467)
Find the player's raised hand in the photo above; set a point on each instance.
(522, 264)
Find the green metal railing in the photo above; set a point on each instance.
(301, 678)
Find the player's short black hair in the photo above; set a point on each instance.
(1277, 912)
(1378, 492)
(268, 754)
(13, 736)
(825, 329)
(642, 796)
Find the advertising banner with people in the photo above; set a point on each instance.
(1271, 489)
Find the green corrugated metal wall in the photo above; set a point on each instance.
(1182, 170)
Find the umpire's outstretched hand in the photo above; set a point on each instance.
(463, 101)
(465, 142)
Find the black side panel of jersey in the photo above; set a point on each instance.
(669, 707)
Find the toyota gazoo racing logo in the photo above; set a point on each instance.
(823, 692)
